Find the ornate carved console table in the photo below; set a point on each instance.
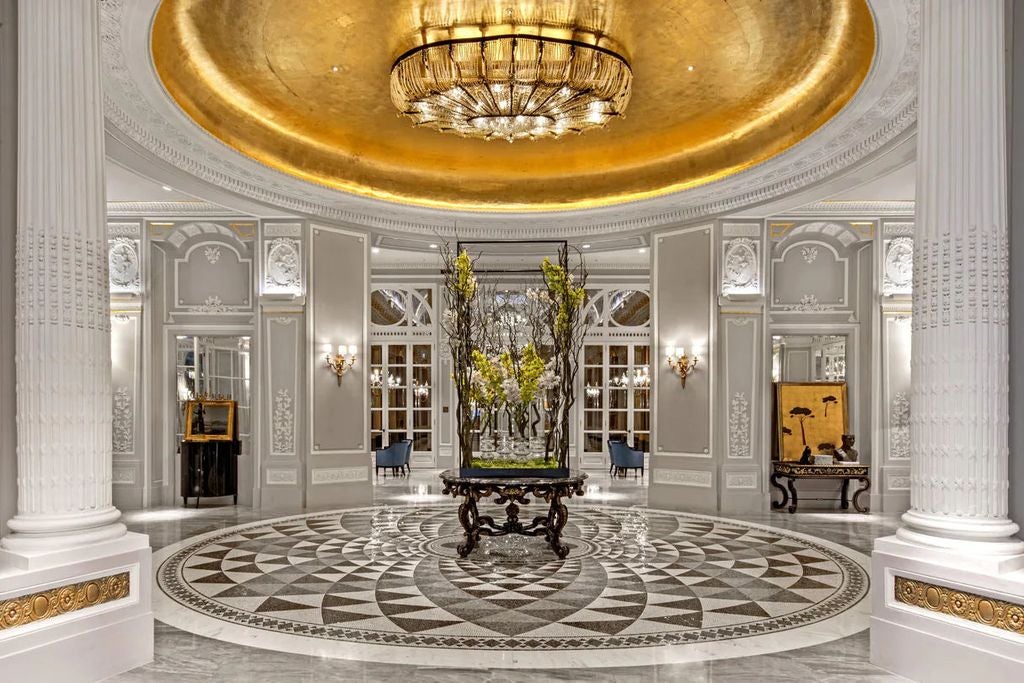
(794, 471)
(513, 492)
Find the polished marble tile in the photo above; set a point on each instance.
(181, 655)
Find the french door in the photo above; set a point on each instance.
(402, 398)
(616, 399)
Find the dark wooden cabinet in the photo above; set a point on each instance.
(209, 469)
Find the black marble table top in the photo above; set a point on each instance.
(452, 476)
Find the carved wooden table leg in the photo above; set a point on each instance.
(470, 520)
(856, 496)
(844, 500)
(774, 480)
(557, 517)
(791, 484)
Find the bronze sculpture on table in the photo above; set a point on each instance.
(846, 452)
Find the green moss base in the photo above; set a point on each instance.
(532, 463)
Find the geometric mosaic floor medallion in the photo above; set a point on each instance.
(640, 586)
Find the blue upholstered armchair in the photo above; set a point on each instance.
(625, 458)
(394, 456)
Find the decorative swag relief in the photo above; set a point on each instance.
(739, 426)
(283, 437)
(899, 422)
(123, 436)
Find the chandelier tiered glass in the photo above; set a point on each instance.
(517, 85)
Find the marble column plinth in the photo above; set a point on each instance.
(74, 585)
(948, 588)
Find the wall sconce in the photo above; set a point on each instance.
(682, 364)
(337, 362)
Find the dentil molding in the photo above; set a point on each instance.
(138, 110)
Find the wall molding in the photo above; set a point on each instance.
(339, 475)
(277, 476)
(695, 478)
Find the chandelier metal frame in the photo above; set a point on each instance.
(516, 85)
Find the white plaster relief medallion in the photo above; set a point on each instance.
(740, 266)
(282, 268)
(899, 266)
(123, 264)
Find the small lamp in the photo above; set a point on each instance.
(337, 362)
(681, 364)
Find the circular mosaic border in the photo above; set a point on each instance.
(843, 613)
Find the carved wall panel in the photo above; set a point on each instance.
(810, 276)
(213, 276)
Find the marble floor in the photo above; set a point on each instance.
(185, 654)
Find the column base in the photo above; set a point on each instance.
(953, 619)
(79, 615)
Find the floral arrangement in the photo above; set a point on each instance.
(516, 356)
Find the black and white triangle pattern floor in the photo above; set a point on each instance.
(635, 578)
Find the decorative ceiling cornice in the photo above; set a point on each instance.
(167, 209)
(137, 108)
(843, 208)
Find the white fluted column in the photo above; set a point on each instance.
(63, 323)
(959, 406)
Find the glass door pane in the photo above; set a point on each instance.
(421, 387)
(378, 378)
(616, 396)
(593, 398)
(401, 395)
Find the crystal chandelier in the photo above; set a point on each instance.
(522, 83)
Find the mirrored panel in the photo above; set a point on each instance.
(809, 358)
(387, 306)
(629, 308)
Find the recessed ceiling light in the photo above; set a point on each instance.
(642, 250)
(167, 188)
(375, 250)
(690, 68)
(433, 246)
(335, 68)
(586, 246)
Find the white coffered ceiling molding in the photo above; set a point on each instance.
(145, 122)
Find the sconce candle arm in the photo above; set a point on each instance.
(681, 364)
(338, 362)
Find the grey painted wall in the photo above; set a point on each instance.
(338, 465)
(683, 470)
(8, 222)
(1016, 123)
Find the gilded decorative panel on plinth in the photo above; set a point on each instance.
(53, 602)
(961, 604)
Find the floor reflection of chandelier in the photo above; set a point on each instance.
(524, 82)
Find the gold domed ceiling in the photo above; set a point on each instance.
(718, 86)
